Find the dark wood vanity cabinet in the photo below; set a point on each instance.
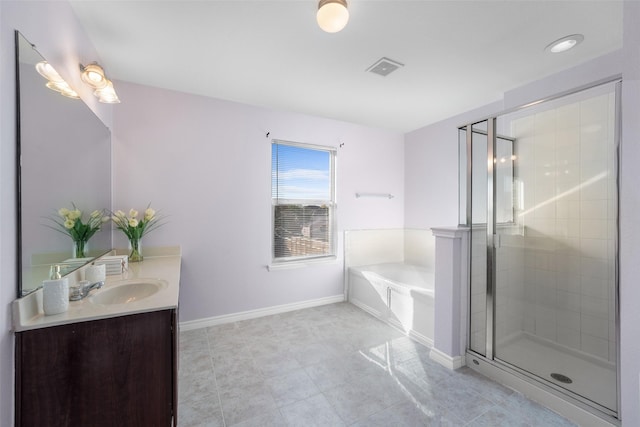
(120, 371)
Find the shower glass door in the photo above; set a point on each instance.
(477, 141)
(545, 180)
(482, 230)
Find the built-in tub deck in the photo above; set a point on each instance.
(400, 294)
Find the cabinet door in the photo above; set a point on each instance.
(107, 372)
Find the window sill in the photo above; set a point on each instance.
(288, 265)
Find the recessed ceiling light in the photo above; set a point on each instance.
(565, 43)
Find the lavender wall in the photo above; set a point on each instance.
(207, 164)
(629, 218)
(431, 170)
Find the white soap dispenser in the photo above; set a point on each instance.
(55, 298)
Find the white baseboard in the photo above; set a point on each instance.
(261, 312)
(365, 307)
(422, 339)
(447, 361)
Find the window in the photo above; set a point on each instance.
(303, 200)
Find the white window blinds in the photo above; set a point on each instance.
(303, 200)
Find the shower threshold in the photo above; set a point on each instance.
(568, 404)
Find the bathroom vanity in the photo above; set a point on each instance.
(111, 359)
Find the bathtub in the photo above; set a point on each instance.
(400, 294)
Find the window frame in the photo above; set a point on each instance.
(331, 204)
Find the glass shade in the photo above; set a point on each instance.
(332, 15)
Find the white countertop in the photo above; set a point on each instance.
(162, 265)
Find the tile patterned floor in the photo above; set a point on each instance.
(329, 366)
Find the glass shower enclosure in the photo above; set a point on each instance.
(538, 189)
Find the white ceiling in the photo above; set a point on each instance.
(458, 55)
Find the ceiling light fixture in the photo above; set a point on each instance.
(565, 43)
(332, 15)
(54, 81)
(93, 75)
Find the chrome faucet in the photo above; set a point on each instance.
(83, 288)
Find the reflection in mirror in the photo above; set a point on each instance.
(64, 157)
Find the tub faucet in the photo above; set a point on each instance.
(83, 288)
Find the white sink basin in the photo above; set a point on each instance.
(127, 291)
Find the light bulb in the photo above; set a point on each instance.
(107, 95)
(93, 75)
(48, 72)
(332, 15)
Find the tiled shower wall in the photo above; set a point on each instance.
(566, 187)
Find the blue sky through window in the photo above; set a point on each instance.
(300, 173)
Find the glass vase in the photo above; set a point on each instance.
(79, 248)
(135, 246)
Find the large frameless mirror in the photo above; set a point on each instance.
(63, 159)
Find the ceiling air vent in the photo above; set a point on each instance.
(384, 67)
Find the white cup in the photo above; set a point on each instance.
(95, 273)
(55, 298)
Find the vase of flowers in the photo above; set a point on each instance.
(135, 250)
(135, 228)
(70, 222)
(80, 248)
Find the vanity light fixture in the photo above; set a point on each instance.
(64, 89)
(48, 72)
(107, 94)
(93, 75)
(332, 15)
(55, 82)
(565, 43)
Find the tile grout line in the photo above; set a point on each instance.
(470, 422)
